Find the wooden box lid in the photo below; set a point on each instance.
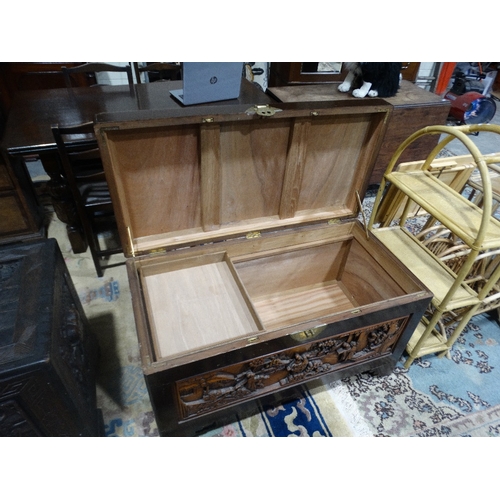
(179, 178)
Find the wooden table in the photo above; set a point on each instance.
(28, 128)
(413, 109)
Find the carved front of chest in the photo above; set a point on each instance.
(216, 389)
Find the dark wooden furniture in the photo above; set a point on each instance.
(249, 271)
(83, 170)
(91, 69)
(21, 76)
(413, 109)
(48, 354)
(409, 71)
(20, 215)
(28, 128)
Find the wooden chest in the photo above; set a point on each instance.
(48, 355)
(249, 270)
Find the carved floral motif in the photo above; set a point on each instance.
(73, 347)
(214, 390)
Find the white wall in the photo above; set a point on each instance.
(426, 73)
(111, 78)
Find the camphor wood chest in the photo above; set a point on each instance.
(249, 270)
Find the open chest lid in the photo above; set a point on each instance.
(179, 178)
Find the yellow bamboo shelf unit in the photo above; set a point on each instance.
(475, 185)
(489, 261)
(454, 171)
(472, 224)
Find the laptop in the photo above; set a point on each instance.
(208, 82)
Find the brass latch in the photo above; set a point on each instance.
(263, 110)
(308, 334)
(253, 234)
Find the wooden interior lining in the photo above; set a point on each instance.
(366, 279)
(194, 307)
(299, 285)
(302, 304)
(291, 269)
(193, 182)
(211, 176)
(157, 178)
(332, 171)
(294, 168)
(215, 297)
(253, 162)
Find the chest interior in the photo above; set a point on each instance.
(241, 228)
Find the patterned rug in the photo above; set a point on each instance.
(434, 397)
(438, 396)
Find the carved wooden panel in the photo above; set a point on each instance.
(37, 400)
(213, 390)
(14, 422)
(47, 352)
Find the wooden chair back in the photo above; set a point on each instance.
(84, 173)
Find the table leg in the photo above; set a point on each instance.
(63, 202)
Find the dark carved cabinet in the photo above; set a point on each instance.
(48, 355)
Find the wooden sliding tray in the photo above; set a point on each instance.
(250, 273)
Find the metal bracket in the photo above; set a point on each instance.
(333, 222)
(131, 242)
(253, 234)
(263, 110)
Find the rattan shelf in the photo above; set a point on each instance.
(454, 302)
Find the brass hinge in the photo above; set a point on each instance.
(333, 222)
(130, 241)
(263, 110)
(253, 234)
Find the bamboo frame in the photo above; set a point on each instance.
(487, 236)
